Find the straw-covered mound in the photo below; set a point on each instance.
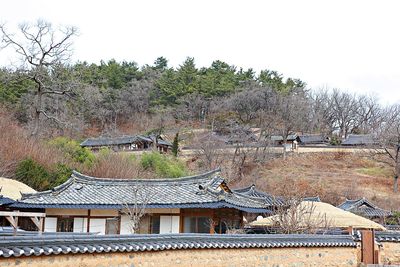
(12, 189)
(324, 213)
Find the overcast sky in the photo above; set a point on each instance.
(351, 45)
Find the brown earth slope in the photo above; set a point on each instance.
(331, 176)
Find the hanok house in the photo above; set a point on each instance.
(127, 143)
(269, 200)
(313, 140)
(196, 204)
(290, 144)
(365, 208)
(358, 140)
(12, 221)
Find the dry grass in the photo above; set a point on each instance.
(331, 176)
(17, 144)
(114, 165)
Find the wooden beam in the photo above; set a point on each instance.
(36, 221)
(88, 222)
(22, 214)
(13, 221)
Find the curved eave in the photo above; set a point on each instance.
(213, 205)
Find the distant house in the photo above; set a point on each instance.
(312, 199)
(291, 141)
(197, 204)
(313, 139)
(254, 193)
(358, 140)
(365, 208)
(126, 143)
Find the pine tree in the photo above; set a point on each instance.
(175, 145)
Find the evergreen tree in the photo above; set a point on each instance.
(175, 145)
(161, 63)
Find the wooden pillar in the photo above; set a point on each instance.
(42, 220)
(368, 247)
(88, 222)
(212, 224)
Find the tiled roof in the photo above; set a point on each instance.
(312, 199)
(109, 141)
(387, 236)
(5, 200)
(253, 192)
(290, 137)
(199, 191)
(364, 208)
(313, 139)
(69, 244)
(355, 139)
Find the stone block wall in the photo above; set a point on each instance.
(274, 257)
(389, 253)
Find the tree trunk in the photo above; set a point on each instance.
(395, 184)
(38, 110)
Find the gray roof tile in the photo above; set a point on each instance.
(358, 139)
(313, 139)
(254, 193)
(364, 208)
(66, 244)
(200, 191)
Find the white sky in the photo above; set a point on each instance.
(351, 45)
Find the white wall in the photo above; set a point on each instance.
(125, 225)
(50, 224)
(169, 224)
(80, 225)
(98, 225)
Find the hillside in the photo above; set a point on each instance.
(331, 176)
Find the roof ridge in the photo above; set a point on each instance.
(79, 176)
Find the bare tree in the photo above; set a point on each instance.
(299, 216)
(344, 108)
(290, 115)
(209, 151)
(388, 138)
(42, 49)
(136, 209)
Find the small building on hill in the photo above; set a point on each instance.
(312, 139)
(365, 208)
(358, 140)
(196, 204)
(127, 143)
(290, 144)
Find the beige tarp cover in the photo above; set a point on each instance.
(336, 218)
(12, 189)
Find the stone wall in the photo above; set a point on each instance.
(389, 253)
(329, 256)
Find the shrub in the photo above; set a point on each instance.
(163, 165)
(60, 175)
(335, 141)
(72, 149)
(36, 176)
(33, 174)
